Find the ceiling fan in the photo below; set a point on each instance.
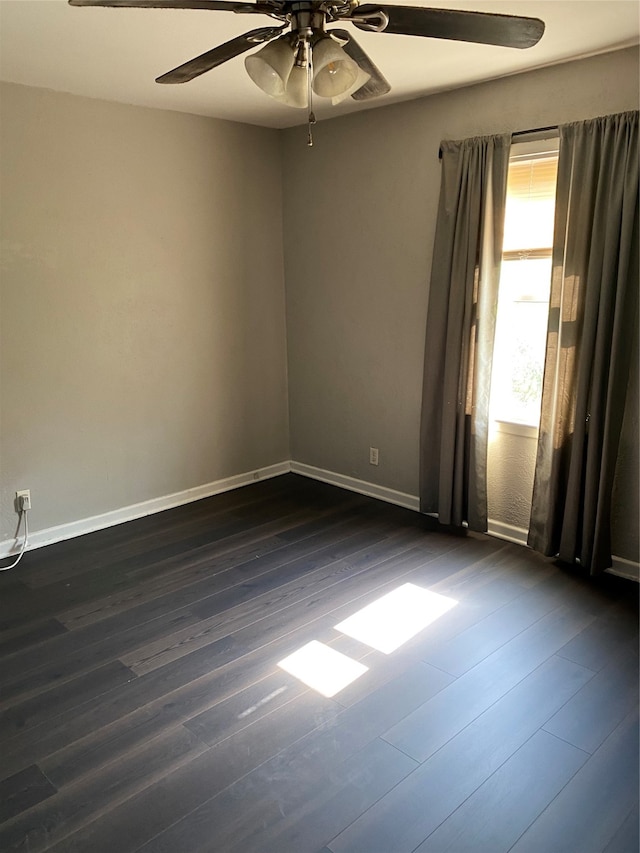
(301, 57)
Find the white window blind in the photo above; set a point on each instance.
(531, 190)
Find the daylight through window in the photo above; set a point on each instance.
(525, 279)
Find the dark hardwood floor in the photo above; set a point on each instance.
(142, 708)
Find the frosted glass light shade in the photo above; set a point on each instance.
(271, 66)
(295, 94)
(361, 79)
(334, 71)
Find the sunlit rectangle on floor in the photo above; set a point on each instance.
(396, 617)
(322, 668)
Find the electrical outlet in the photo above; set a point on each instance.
(23, 499)
(373, 456)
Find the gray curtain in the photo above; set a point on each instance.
(592, 312)
(463, 299)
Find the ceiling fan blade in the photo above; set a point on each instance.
(376, 85)
(206, 61)
(216, 5)
(482, 27)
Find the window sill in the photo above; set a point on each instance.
(524, 430)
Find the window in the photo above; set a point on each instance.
(525, 279)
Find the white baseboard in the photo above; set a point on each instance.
(507, 531)
(621, 566)
(498, 529)
(625, 568)
(371, 490)
(49, 535)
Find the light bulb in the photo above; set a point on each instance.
(334, 71)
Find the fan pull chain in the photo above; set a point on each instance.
(312, 118)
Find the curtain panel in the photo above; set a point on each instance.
(592, 311)
(461, 318)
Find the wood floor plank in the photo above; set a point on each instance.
(337, 739)
(254, 539)
(384, 706)
(95, 580)
(102, 583)
(120, 631)
(77, 659)
(31, 635)
(337, 732)
(270, 596)
(96, 739)
(136, 693)
(500, 561)
(70, 557)
(594, 712)
(143, 816)
(427, 729)
(60, 700)
(627, 838)
(284, 572)
(302, 767)
(383, 669)
(297, 803)
(518, 791)
(219, 667)
(332, 803)
(144, 709)
(468, 648)
(245, 708)
(174, 572)
(475, 603)
(75, 805)
(421, 802)
(92, 720)
(15, 606)
(327, 605)
(580, 817)
(22, 791)
(614, 632)
(101, 735)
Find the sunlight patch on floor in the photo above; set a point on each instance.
(389, 622)
(322, 668)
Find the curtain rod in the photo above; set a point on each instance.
(520, 133)
(534, 130)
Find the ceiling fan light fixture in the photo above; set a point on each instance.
(334, 71)
(271, 66)
(309, 54)
(360, 81)
(295, 94)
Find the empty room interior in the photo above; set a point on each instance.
(319, 500)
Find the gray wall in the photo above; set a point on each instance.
(511, 462)
(359, 221)
(143, 346)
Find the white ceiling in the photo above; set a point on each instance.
(116, 54)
